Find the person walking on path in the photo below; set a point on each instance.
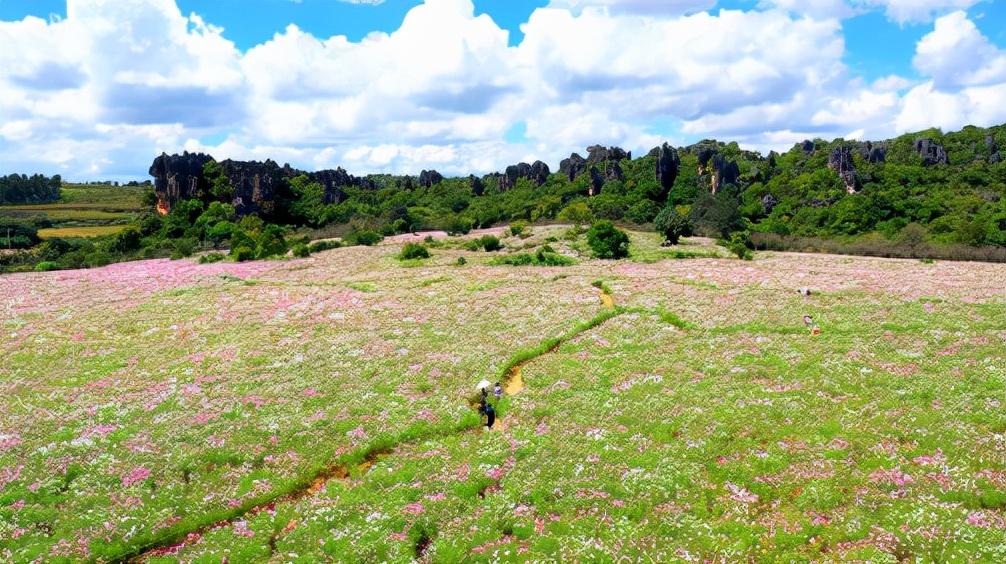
(498, 391)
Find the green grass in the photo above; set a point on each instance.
(697, 418)
(80, 232)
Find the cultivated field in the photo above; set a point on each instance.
(83, 211)
(676, 410)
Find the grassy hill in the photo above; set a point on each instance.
(84, 210)
(316, 409)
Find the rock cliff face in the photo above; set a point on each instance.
(874, 153)
(573, 166)
(602, 163)
(536, 173)
(993, 148)
(477, 186)
(840, 161)
(668, 167)
(931, 153)
(178, 177)
(256, 184)
(429, 178)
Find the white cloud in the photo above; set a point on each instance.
(899, 11)
(116, 82)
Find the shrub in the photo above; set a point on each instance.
(182, 248)
(517, 228)
(642, 212)
(740, 245)
(46, 266)
(413, 251)
(540, 258)
(211, 258)
(672, 225)
(271, 242)
(319, 246)
(242, 254)
(301, 251)
(491, 243)
(367, 238)
(459, 226)
(462, 261)
(607, 241)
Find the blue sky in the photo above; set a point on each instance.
(98, 87)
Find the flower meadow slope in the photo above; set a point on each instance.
(319, 408)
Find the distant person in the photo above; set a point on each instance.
(487, 410)
(498, 391)
(809, 322)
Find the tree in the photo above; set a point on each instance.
(607, 241)
(672, 225)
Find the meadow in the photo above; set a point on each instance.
(670, 407)
(84, 211)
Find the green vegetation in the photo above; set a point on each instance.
(35, 189)
(414, 251)
(270, 411)
(607, 241)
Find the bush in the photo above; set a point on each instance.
(271, 242)
(459, 226)
(182, 248)
(462, 261)
(367, 238)
(301, 251)
(491, 243)
(540, 258)
(642, 212)
(319, 246)
(211, 258)
(740, 245)
(46, 266)
(672, 225)
(517, 228)
(413, 251)
(607, 241)
(242, 254)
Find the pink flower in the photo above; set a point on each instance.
(935, 459)
(19, 504)
(399, 536)
(77, 337)
(358, 433)
(241, 528)
(190, 389)
(738, 493)
(618, 503)
(894, 476)
(310, 392)
(138, 474)
(440, 496)
(542, 428)
(413, 508)
(978, 519)
(204, 418)
(9, 441)
(820, 520)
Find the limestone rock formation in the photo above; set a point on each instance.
(332, 181)
(931, 152)
(536, 173)
(724, 172)
(596, 182)
(573, 166)
(873, 153)
(769, 202)
(613, 172)
(178, 177)
(428, 178)
(477, 186)
(993, 148)
(600, 153)
(840, 161)
(808, 147)
(668, 167)
(255, 184)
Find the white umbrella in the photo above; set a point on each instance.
(484, 385)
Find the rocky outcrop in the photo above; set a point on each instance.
(769, 202)
(840, 161)
(255, 184)
(333, 182)
(613, 172)
(596, 182)
(536, 173)
(668, 167)
(808, 147)
(476, 185)
(428, 178)
(993, 149)
(874, 154)
(724, 172)
(931, 152)
(573, 166)
(178, 177)
(600, 154)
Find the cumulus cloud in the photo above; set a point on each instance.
(899, 11)
(102, 91)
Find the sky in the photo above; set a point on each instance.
(95, 89)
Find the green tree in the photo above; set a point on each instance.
(607, 241)
(672, 225)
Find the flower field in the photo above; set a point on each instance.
(319, 409)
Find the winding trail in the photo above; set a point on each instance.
(172, 542)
